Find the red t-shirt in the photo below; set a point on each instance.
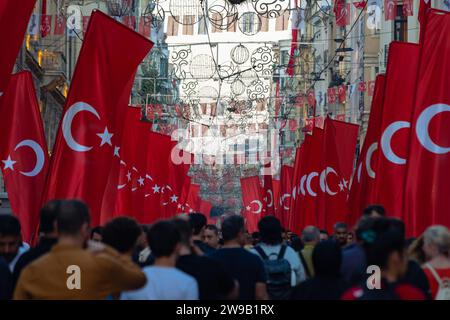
(434, 286)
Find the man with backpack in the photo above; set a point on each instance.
(284, 269)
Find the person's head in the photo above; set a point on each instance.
(97, 234)
(436, 242)
(340, 233)
(47, 223)
(164, 240)
(10, 236)
(185, 231)
(198, 224)
(270, 230)
(211, 236)
(122, 234)
(310, 235)
(384, 245)
(233, 230)
(73, 220)
(256, 238)
(374, 211)
(327, 258)
(296, 243)
(284, 234)
(142, 242)
(324, 235)
(416, 251)
(350, 238)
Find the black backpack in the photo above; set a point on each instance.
(278, 274)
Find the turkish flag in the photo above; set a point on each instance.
(85, 23)
(269, 201)
(23, 151)
(252, 197)
(13, 24)
(395, 127)
(46, 24)
(424, 6)
(360, 4)
(427, 179)
(408, 8)
(311, 98)
(363, 183)
(371, 89)
(286, 175)
(362, 86)
(390, 9)
(205, 208)
(95, 108)
(335, 172)
(342, 13)
(145, 26)
(293, 217)
(60, 25)
(342, 92)
(332, 95)
(192, 199)
(130, 22)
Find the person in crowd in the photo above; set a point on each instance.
(164, 280)
(244, 266)
(326, 284)
(436, 244)
(198, 225)
(95, 273)
(310, 237)
(96, 234)
(297, 244)
(340, 232)
(214, 282)
(278, 256)
(374, 211)
(122, 234)
(211, 235)
(11, 245)
(350, 238)
(6, 281)
(416, 251)
(384, 249)
(142, 253)
(48, 237)
(256, 238)
(324, 235)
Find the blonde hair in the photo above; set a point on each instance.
(438, 236)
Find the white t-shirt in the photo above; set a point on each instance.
(164, 283)
(298, 273)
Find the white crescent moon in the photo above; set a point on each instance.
(271, 198)
(422, 127)
(67, 125)
(302, 185)
(386, 141)
(40, 156)
(121, 186)
(370, 151)
(359, 172)
(323, 181)
(308, 183)
(294, 192)
(283, 197)
(259, 206)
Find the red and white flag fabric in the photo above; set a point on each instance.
(363, 183)
(408, 6)
(23, 152)
(395, 127)
(297, 25)
(286, 175)
(342, 93)
(269, 199)
(60, 25)
(342, 13)
(360, 4)
(13, 24)
(252, 198)
(390, 9)
(428, 173)
(95, 108)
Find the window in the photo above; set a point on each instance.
(282, 22)
(232, 24)
(188, 25)
(202, 26)
(217, 22)
(264, 24)
(248, 23)
(172, 27)
(400, 25)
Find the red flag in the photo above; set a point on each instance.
(144, 26)
(286, 175)
(311, 98)
(390, 9)
(332, 95)
(335, 172)
(13, 24)
(253, 202)
(23, 151)
(360, 4)
(46, 25)
(340, 117)
(408, 8)
(362, 86)
(342, 13)
(371, 88)
(85, 23)
(60, 25)
(397, 111)
(94, 112)
(424, 6)
(342, 92)
(428, 174)
(130, 22)
(268, 195)
(363, 183)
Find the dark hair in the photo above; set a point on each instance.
(231, 227)
(184, 228)
(212, 227)
(121, 233)
(163, 238)
(71, 216)
(270, 230)
(97, 230)
(327, 258)
(340, 225)
(197, 222)
(374, 207)
(9, 225)
(297, 244)
(322, 231)
(48, 216)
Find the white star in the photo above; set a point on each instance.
(174, 198)
(106, 137)
(248, 208)
(191, 210)
(9, 164)
(345, 182)
(341, 186)
(141, 181)
(179, 206)
(116, 151)
(129, 176)
(156, 188)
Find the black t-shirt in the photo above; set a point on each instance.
(246, 267)
(206, 249)
(213, 281)
(5, 281)
(320, 288)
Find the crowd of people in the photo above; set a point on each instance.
(185, 259)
